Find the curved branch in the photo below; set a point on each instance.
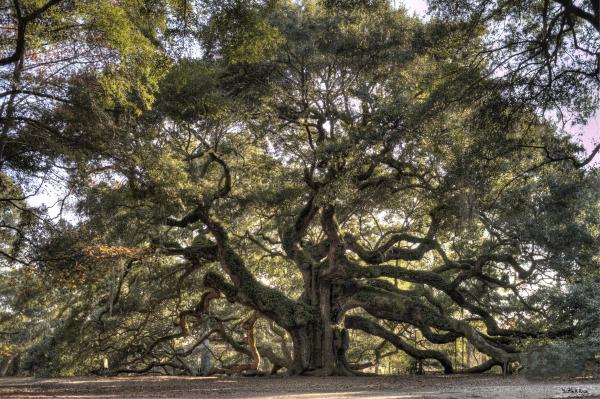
(226, 188)
(360, 323)
(387, 252)
(22, 22)
(436, 281)
(592, 19)
(291, 237)
(483, 367)
(383, 304)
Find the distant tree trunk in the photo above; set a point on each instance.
(14, 365)
(4, 363)
(205, 358)
(249, 327)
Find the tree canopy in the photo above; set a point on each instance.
(315, 187)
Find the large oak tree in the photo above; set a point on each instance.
(336, 178)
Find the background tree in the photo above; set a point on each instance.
(548, 50)
(328, 183)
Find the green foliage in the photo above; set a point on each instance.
(215, 171)
(240, 31)
(16, 220)
(531, 44)
(579, 355)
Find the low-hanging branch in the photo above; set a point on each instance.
(363, 324)
(390, 306)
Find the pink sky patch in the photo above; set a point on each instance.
(591, 132)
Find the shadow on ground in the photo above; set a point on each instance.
(388, 387)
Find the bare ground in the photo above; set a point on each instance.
(384, 387)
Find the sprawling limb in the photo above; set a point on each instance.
(277, 361)
(245, 288)
(470, 269)
(483, 367)
(384, 304)
(172, 361)
(366, 325)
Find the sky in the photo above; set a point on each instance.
(418, 6)
(590, 134)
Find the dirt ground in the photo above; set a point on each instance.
(385, 387)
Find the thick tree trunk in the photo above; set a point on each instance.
(320, 347)
(325, 355)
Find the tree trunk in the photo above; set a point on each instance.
(325, 355)
(15, 363)
(4, 363)
(205, 358)
(320, 347)
(248, 325)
